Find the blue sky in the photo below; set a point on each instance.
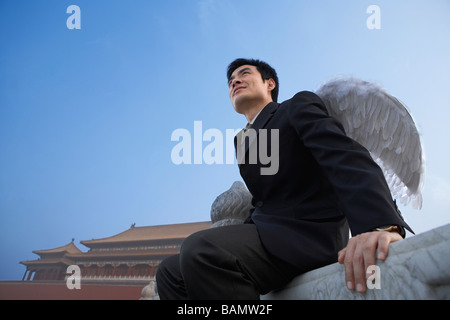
(86, 116)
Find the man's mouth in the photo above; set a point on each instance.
(237, 89)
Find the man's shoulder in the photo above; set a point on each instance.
(304, 100)
(306, 96)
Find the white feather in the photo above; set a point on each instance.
(384, 126)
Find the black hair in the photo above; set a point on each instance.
(266, 71)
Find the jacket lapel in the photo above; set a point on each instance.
(265, 115)
(260, 122)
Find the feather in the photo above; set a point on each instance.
(385, 127)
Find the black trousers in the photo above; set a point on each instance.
(223, 263)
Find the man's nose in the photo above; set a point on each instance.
(235, 82)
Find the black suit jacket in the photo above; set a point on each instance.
(325, 183)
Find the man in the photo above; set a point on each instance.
(324, 183)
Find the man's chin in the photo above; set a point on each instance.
(239, 104)
(239, 110)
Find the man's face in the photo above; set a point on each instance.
(247, 86)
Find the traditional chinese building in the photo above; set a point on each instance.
(121, 266)
(129, 257)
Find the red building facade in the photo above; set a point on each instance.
(130, 257)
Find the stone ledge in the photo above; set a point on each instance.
(416, 268)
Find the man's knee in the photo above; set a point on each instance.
(196, 250)
(169, 280)
(160, 271)
(167, 267)
(191, 246)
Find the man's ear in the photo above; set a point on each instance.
(271, 84)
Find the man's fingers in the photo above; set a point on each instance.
(341, 255)
(360, 253)
(359, 270)
(369, 248)
(347, 260)
(363, 257)
(383, 243)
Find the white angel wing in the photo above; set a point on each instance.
(384, 126)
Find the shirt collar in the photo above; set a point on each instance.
(253, 120)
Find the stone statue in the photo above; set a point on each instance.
(150, 292)
(232, 206)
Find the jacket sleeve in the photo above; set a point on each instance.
(358, 181)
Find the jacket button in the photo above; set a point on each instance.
(259, 204)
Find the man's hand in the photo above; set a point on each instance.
(360, 254)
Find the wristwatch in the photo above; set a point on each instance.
(392, 228)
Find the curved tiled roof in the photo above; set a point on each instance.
(69, 248)
(46, 262)
(162, 232)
